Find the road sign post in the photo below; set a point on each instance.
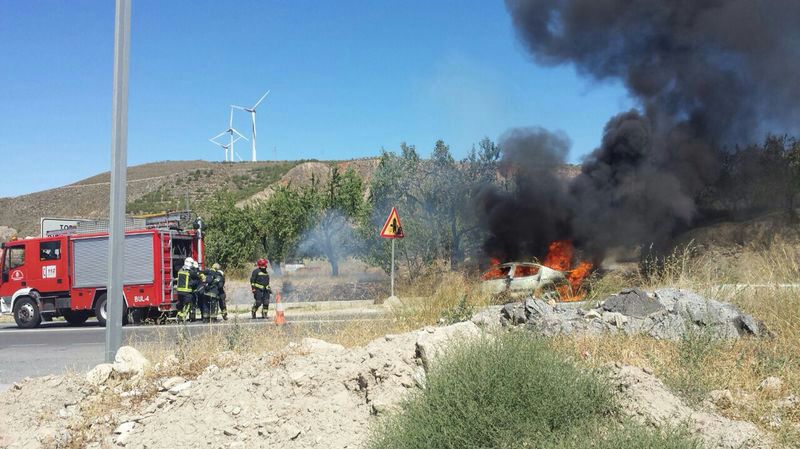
(119, 158)
(392, 229)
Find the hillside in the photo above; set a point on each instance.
(161, 186)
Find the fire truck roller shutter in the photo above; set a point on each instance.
(90, 262)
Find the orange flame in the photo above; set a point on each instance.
(559, 257)
(495, 272)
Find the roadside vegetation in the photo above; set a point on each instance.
(513, 391)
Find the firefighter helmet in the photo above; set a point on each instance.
(216, 266)
(188, 263)
(262, 263)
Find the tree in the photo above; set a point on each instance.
(335, 210)
(227, 232)
(279, 222)
(437, 201)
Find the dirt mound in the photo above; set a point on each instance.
(311, 394)
(646, 399)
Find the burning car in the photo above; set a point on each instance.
(555, 277)
(521, 278)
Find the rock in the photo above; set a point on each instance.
(171, 382)
(124, 428)
(788, 403)
(536, 309)
(99, 374)
(513, 314)
(177, 389)
(633, 303)
(771, 385)
(431, 345)
(297, 378)
(290, 431)
(123, 433)
(129, 362)
(316, 345)
(488, 317)
(591, 314)
(226, 358)
(722, 399)
(614, 318)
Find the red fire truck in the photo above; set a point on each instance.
(66, 273)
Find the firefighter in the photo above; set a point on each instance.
(221, 290)
(215, 282)
(259, 282)
(200, 298)
(187, 283)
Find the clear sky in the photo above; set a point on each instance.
(347, 79)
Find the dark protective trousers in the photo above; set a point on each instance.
(185, 305)
(261, 298)
(222, 306)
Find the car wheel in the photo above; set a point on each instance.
(26, 313)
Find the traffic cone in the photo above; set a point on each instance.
(280, 320)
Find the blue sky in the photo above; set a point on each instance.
(347, 78)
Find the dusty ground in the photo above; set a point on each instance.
(311, 394)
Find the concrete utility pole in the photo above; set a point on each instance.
(119, 162)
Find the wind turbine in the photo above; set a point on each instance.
(252, 112)
(226, 147)
(231, 131)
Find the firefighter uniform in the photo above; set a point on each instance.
(259, 281)
(214, 292)
(220, 285)
(187, 283)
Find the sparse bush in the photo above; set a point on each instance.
(462, 311)
(511, 391)
(694, 350)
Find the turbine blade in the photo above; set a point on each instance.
(239, 107)
(230, 123)
(259, 101)
(218, 136)
(239, 134)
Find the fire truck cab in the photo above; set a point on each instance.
(66, 275)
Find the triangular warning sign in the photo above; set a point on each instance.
(392, 229)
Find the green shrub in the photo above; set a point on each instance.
(511, 391)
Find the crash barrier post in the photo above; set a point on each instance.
(280, 320)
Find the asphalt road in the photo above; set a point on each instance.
(56, 347)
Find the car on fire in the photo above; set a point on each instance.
(521, 278)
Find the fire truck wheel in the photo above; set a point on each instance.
(101, 313)
(26, 313)
(76, 317)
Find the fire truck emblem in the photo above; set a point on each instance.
(17, 275)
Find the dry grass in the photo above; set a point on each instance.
(455, 296)
(697, 365)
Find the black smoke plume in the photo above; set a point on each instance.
(707, 75)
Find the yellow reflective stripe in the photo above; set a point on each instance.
(258, 285)
(183, 282)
